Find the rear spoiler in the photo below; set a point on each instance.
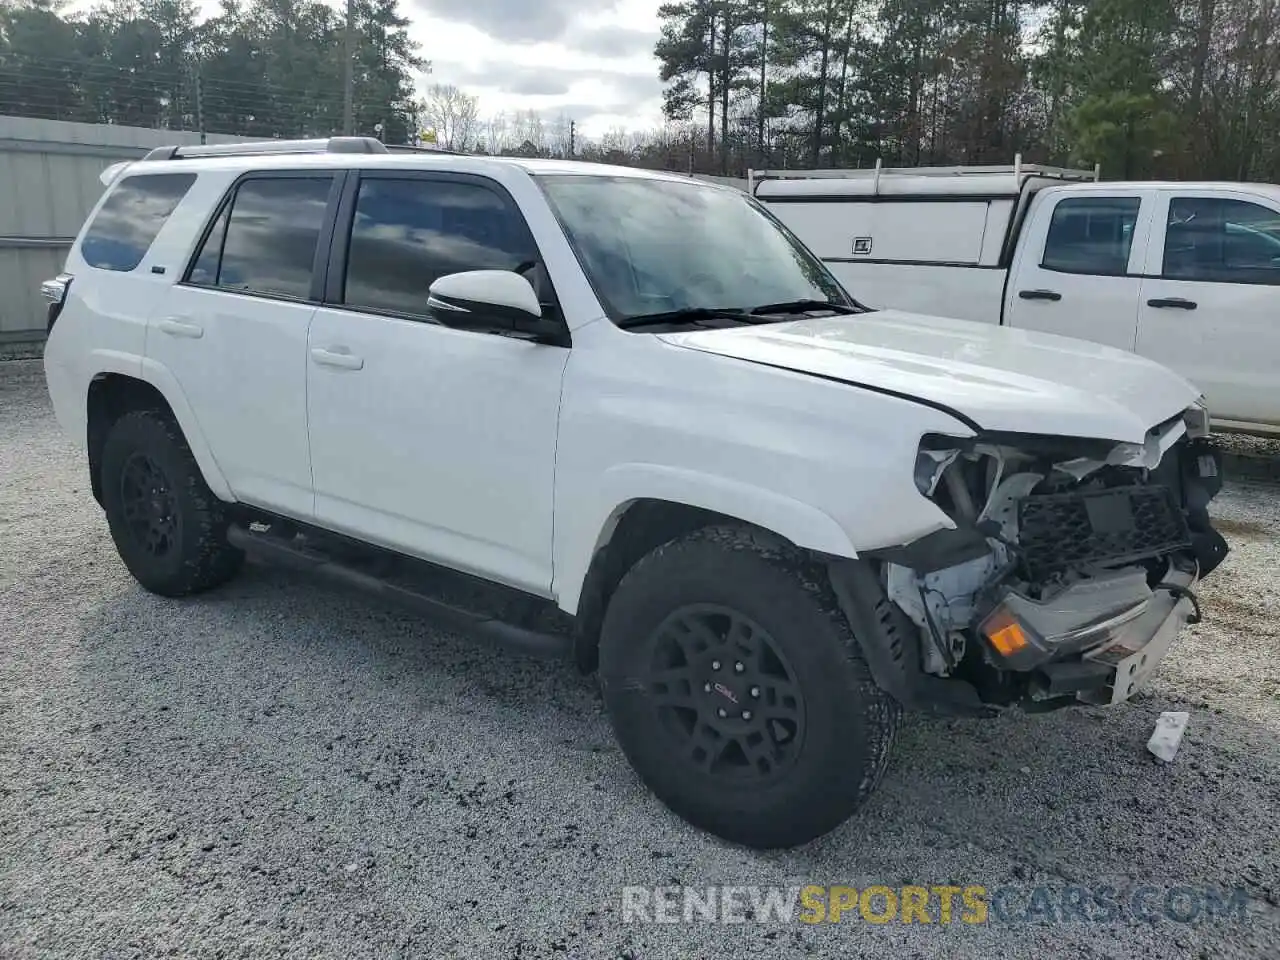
(112, 173)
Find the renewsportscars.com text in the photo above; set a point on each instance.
(941, 904)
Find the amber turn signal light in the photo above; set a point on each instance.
(1005, 632)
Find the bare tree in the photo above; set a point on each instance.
(452, 114)
(531, 132)
(497, 133)
(561, 136)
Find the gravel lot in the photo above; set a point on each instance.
(280, 770)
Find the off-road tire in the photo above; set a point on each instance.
(849, 723)
(198, 557)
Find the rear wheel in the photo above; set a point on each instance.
(738, 691)
(168, 527)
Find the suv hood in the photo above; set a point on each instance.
(1002, 379)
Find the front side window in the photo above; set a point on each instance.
(265, 242)
(130, 219)
(408, 233)
(1221, 240)
(1091, 235)
(654, 245)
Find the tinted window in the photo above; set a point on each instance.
(1091, 235)
(205, 269)
(1222, 240)
(269, 241)
(129, 220)
(407, 233)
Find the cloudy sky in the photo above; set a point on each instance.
(551, 55)
(592, 61)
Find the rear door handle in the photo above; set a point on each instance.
(338, 357)
(1040, 295)
(180, 328)
(1174, 303)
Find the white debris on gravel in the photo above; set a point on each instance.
(199, 778)
(1167, 736)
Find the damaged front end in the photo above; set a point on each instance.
(1066, 578)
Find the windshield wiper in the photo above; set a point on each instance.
(803, 306)
(686, 315)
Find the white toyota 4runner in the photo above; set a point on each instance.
(625, 417)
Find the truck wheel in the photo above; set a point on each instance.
(168, 527)
(737, 690)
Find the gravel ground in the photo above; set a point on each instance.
(1242, 444)
(275, 769)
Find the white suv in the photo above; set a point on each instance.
(629, 412)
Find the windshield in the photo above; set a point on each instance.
(654, 246)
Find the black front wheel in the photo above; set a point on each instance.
(168, 527)
(738, 691)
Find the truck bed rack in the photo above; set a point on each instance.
(1015, 173)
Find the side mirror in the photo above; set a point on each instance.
(499, 298)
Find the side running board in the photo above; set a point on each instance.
(278, 550)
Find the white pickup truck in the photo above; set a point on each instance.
(1183, 273)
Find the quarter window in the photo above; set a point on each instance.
(130, 219)
(1091, 235)
(408, 233)
(266, 241)
(205, 269)
(1220, 240)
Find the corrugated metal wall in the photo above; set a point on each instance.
(48, 183)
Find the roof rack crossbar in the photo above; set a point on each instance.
(269, 147)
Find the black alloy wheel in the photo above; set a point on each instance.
(150, 506)
(738, 691)
(725, 694)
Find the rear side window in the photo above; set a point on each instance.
(1091, 235)
(1220, 240)
(128, 222)
(265, 240)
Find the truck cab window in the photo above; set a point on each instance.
(1220, 240)
(1091, 235)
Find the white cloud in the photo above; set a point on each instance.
(597, 66)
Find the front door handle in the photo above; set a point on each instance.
(1040, 295)
(1174, 303)
(340, 358)
(180, 328)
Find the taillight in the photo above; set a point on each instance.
(55, 291)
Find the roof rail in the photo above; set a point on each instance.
(410, 148)
(268, 147)
(1017, 169)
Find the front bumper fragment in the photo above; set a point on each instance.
(1136, 649)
